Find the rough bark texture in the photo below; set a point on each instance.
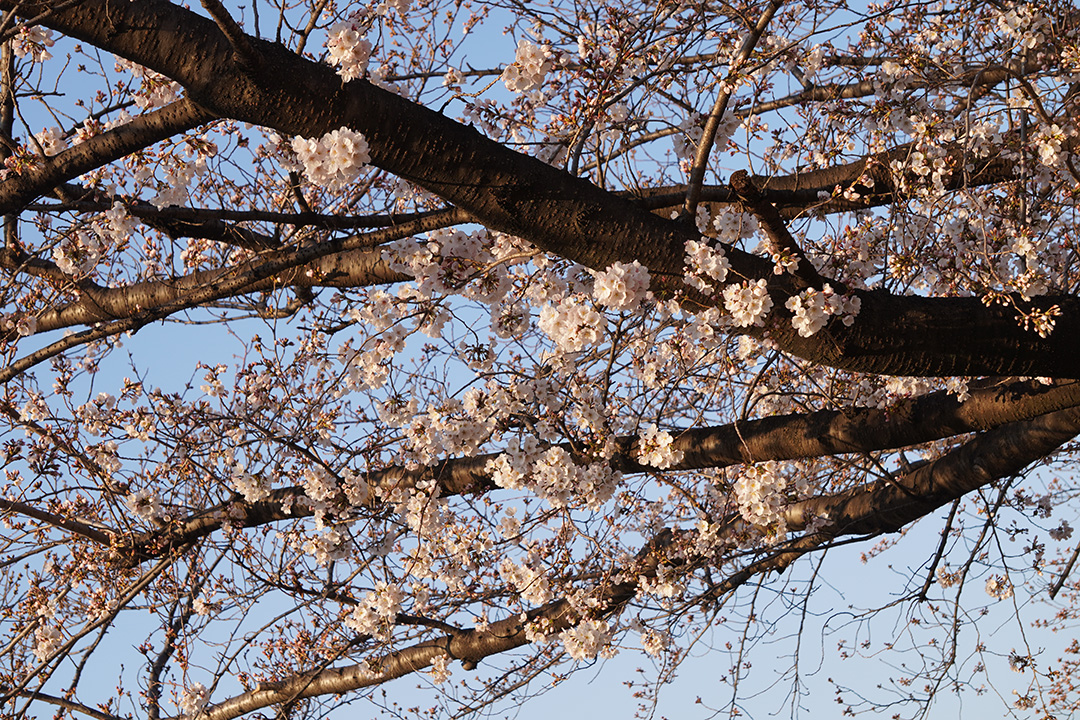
(897, 335)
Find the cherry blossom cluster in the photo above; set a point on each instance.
(510, 468)
(655, 448)
(573, 323)
(552, 474)
(376, 613)
(442, 430)
(106, 455)
(905, 387)
(78, 253)
(319, 484)
(33, 41)
(622, 286)
(115, 224)
(1023, 25)
(748, 302)
(367, 368)
(958, 386)
(335, 160)
(440, 671)
(732, 225)
(999, 587)
(399, 6)
(812, 308)
(356, 488)
(155, 91)
(52, 140)
(528, 578)
(685, 142)
(146, 504)
(705, 260)
(347, 48)
(691, 129)
(193, 699)
(654, 642)
(947, 578)
(559, 480)
(450, 262)
(253, 487)
(329, 543)
(588, 639)
(1063, 531)
(23, 324)
(1050, 140)
(531, 65)
(174, 188)
(759, 491)
(510, 320)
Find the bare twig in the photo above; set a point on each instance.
(1060, 582)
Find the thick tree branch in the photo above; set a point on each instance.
(872, 177)
(786, 437)
(507, 191)
(469, 646)
(867, 510)
(226, 284)
(40, 175)
(887, 506)
(346, 262)
(79, 528)
(90, 201)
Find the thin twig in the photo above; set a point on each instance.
(940, 551)
(1060, 582)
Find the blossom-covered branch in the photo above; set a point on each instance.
(908, 422)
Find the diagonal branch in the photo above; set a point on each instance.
(781, 244)
(787, 437)
(520, 195)
(998, 453)
(79, 528)
(719, 109)
(246, 55)
(40, 176)
(870, 510)
(469, 646)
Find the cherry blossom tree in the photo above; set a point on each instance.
(533, 334)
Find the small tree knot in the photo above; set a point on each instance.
(743, 186)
